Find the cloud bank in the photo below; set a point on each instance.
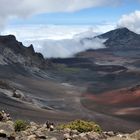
(59, 41)
(66, 47)
(131, 21)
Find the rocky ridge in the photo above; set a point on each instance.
(10, 130)
(119, 39)
(14, 52)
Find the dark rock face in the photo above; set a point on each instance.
(121, 39)
(14, 52)
(31, 49)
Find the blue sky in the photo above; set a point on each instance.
(88, 16)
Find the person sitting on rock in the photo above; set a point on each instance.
(51, 126)
(1, 116)
(48, 124)
(8, 117)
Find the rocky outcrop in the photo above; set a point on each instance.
(121, 39)
(22, 130)
(40, 132)
(14, 52)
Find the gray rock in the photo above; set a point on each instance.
(17, 95)
(7, 128)
(67, 136)
(32, 137)
(53, 138)
(67, 130)
(40, 135)
(110, 133)
(136, 135)
(93, 136)
(72, 132)
(82, 134)
(3, 134)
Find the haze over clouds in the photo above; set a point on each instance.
(59, 41)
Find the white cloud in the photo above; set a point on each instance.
(65, 47)
(131, 21)
(40, 32)
(55, 32)
(25, 8)
(58, 41)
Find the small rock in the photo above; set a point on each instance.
(67, 130)
(40, 135)
(33, 124)
(9, 128)
(66, 136)
(110, 133)
(93, 135)
(53, 138)
(75, 136)
(32, 137)
(72, 132)
(11, 138)
(82, 134)
(33, 128)
(136, 135)
(18, 94)
(84, 138)
(11, 123)
(3, 133)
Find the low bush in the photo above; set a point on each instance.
(20, 125)
(82, 126)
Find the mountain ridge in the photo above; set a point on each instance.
(13, 51)
(117, 39)
(121, 38)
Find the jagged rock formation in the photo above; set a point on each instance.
(14, 52)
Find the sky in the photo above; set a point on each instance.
(83, 16)
(51, 24)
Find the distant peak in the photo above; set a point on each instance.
(123, 29)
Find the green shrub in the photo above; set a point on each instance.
(20, 125)
(82, 126)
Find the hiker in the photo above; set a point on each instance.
(1, 116)
(48, 124)
(51, 127)
(8, 117)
